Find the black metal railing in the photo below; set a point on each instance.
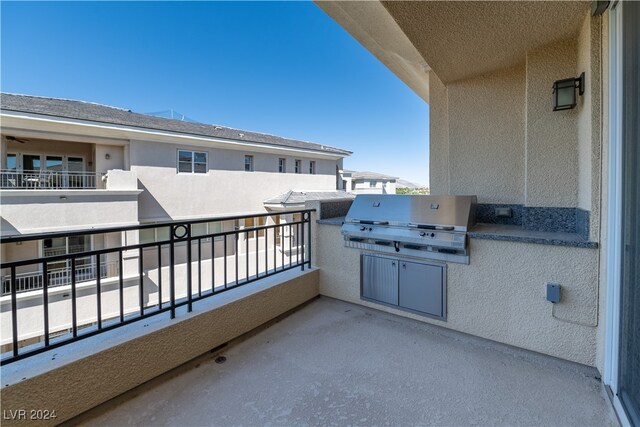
(143, 279)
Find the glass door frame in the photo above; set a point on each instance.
(615, 210)
(19, 155)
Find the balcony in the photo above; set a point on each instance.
(11, 179)
(335, 363)
(239, 316)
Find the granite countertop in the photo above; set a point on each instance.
(332, 221)
(512, 233)
(516, 233)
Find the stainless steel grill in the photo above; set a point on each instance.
(429, 227)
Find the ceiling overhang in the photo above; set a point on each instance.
(455, 39)
(372, 25)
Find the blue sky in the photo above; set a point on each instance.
(277, 67)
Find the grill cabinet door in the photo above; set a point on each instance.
(421, 288)
(380, 279)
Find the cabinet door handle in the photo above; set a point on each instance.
(404, 265)
(393, 264)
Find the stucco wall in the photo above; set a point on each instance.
(497, 137)
(499, 296)
(438, 137)
(486, 136)
(168, 194)
(58, 210)
(75, 382)
(551, 136)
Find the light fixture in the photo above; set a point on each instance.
(107, 156)
(564, 92)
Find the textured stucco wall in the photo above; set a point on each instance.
(74, 387)
(496, 135)
(486, 136)
(47, 211)
(551, 136)
(499, 296)
(590, 120)
(438, 137)
(171, 195)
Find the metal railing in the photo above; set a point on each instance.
(48, 180)
(178, 270)
(32, 281)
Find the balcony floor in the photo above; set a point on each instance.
(334, 363)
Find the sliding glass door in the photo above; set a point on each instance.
(629, 356)
(622, 370)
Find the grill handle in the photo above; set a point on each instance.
(362, 221)
(432, 227)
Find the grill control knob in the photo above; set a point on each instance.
(422, 234)
(362, 228)
(433, 234)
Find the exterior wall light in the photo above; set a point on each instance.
(564, 93)
(107, 156)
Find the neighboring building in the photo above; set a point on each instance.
(368, 182)
(69, 165)
(168, 169)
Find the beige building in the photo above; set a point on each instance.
(368, 182)
(533, 109)
(69, 165)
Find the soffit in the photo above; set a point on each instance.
(461, 39)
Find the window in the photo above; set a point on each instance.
(148, 235)
(372, 184)
(312, 167)
(248, 163)
(254, 222)
(192, 161)
(298, 166)
(282, 165)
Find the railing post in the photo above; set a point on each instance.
(172, 271)
(14, 312)
(189, 278)
(45, 301)
(303, 216)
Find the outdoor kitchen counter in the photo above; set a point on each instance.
(515, 233)
(332, 221)
(512, 233)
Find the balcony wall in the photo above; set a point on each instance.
(105, 366)
(30, 211)
(499, 296)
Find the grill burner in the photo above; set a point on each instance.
(429, 227)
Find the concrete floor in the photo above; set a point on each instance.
(334, 363)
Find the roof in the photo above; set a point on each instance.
(89, 111)
(371, 175)
(292, 197)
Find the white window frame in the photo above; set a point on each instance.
(312, 167)
(282, 165)
(373, 184)
(248, 157)
(193, 161)
(298, 166)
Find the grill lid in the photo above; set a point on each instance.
(450, 213)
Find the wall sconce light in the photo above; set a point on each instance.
(107, 156)
(564, 93)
